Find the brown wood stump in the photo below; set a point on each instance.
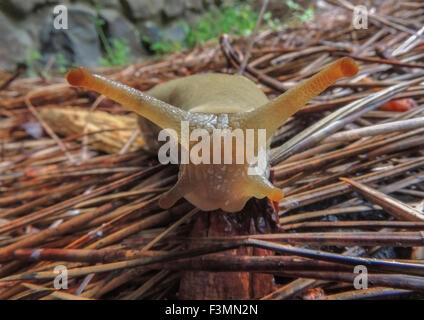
(257, 217)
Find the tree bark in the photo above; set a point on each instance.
(258, 217)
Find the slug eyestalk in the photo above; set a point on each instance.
(159, 112)
(275, 113)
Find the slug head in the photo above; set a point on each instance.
(219, 184)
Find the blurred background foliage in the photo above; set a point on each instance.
(114, 33)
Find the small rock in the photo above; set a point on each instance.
(142, 9)
(33, 23)
(192, 17)
(116, 4)
(150, 30)
(196, 5)
(15, 44)
(79, 44)
(118, 27)
(172, 32)
(22, 7)
(175, 32)
(208, 3)
(173, 8)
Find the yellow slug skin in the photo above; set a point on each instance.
(214, 101)
(204, 93)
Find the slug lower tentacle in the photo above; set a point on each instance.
(261, 188)
(178, 191)
(214, 102)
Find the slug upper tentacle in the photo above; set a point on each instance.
(157, 111)
(211, 102)
(276, 112)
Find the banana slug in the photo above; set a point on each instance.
(212, 101)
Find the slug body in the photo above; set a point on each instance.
(211, 102)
